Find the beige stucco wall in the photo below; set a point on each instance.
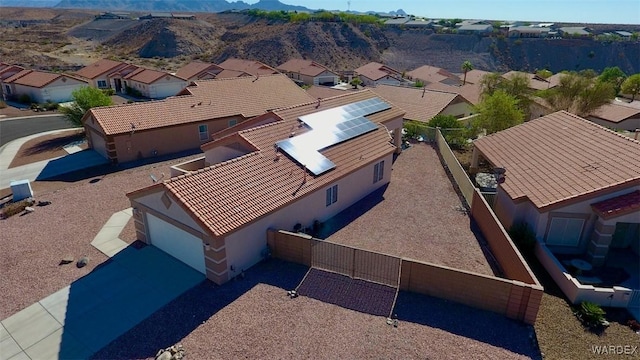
(57, 91)
(461, 109)
(174, 211)
(244, 246)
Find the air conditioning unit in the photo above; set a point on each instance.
(21, 189)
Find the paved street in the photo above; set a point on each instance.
(15, 128)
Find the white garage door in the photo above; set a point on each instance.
(176, 242)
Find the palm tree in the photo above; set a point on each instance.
(466, 67)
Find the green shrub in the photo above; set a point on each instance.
(591, 315)
(109, 92)
(523, 236)
(133, 92)
(24, 99)
(50, 105)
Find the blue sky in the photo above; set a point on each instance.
(589, 11)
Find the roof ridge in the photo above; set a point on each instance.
(211, 167)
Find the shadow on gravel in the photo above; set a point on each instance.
(54, 144)
(483, 326)
(179, 318)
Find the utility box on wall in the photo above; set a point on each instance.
(21, 189)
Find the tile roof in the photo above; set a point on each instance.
(376, 71)
(9, 71)
(475, 76)
(228, 74)
(321, 92)
(249, 66)
(619, 205)
(229, 195)
(535, 82)
(561, 157)
(98, 68)
(196, 68)
(420, 105)
(471, 92)
(616, 111)
(208, 99)
(304, 67)
(147, 76)
(37, 79)
(430, 74)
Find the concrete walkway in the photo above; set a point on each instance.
(43, 169)
(82, 318)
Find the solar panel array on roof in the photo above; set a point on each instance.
(330, 127)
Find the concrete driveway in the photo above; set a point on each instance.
(80, 319)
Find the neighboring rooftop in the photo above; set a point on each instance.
(322, 92)
(619, 205)
(376, 71)
(98, 68)
(147, 76)
(471, 92)
(431, 74)
(251, 67)
(37, 79)
(303, 67)
(574, 30)
(617, 111)
(197, 68)
(420, 104)
(535, 81)
(475, 76)
(561, 157)
(207, 99)
(229, 195)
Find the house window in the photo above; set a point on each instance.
(565, 231)
(232, 122)
(204, 132)
(378, 171)
(332, 195)
(102, 84)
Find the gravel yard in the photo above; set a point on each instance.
(47, 147)
(253, 318)
(32, 245)
(417, 216)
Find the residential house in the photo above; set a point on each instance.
(251, 67)
(215, 219)
(97, 74)
(535, 81)
(114, 15)
(375, 73)
(117, 80)
(475, 76)
(619, 114)
(198, 70)
(475, 29)
(309, 72)
(41, 86)
(470, 91)
(128, 132)
(154, 84)
(423, 104)
(624, 35)
(528, 32)
(397, 21)
(568, 178)
(419, 23)
(7, 71)
(574, 31)
(431, 74)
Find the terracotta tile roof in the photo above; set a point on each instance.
(420, 105)
(196, 68)
(321, 92)
(9, 71)
(475, 76)
(376, 71)
(124, 71)
(37, 79)
(232, 194)
(619, 205)
(249, 66)
(304, 67)
(98, 68)
(616, 111)
(147, 76)
(535, 82)
(561, 157)
(430, 74)
(208, 99)
(471, 92)
(228, 74)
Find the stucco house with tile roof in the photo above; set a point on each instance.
(154, 84)
(309, 72)
(7, 71)
(251, 67)
(374, 73)
(618, 114)
(535, 82)
(216, 218)
(41, 86)
(128, 132)
(423, 104)
(432, 74)
(567, 178)
(97, 73)
(198, 70)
